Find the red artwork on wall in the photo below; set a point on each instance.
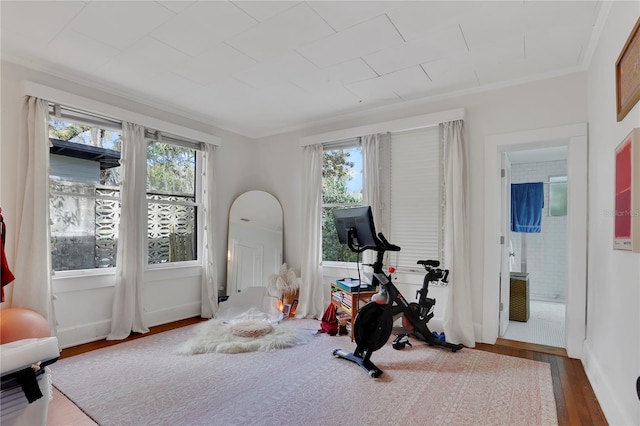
(627, 194)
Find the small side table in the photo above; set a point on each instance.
(349, 300)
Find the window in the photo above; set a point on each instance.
(171, 200)
(85, 192)
(84, 183)
(417, 207)
(557, 196)
(341, 187)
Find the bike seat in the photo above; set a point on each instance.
(432, 263)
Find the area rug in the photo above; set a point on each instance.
(215, 336)
(144, 381)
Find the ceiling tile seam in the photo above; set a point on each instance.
(188, 56)
(355, 95)
(65, 26)
(404, 40)
(370, 67)
(257, 21)
(425, 72)
(475, 72)
(578, 60)
(342, 32)
(153, 29)
(464, 37)
(256, 61)
(335, 31)
(302, 54)
(169, 9)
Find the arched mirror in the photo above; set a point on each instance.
(255, 240)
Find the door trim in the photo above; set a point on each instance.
(575, 137)
(505, 237)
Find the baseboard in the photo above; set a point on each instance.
(78, 335)
(173, 313)
(98, 330)
(612, 410)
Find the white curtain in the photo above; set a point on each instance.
(376, 176)
(208, 214)
(131, 256)
(458, 317)
(32, 286)
(312, 290)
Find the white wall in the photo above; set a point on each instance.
(612, 348)
(83, 304)
(548, 103)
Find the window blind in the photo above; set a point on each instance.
(79, 116)
(416, 199)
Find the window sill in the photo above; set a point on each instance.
(91, 279)
(84, 273)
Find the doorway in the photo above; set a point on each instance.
(535, 264)
(574, 139)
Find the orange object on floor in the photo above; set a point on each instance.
(21, 323)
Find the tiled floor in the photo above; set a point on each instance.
(545, 326)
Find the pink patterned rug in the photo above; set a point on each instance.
(145, 381)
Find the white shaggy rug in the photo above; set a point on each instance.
(215, 336)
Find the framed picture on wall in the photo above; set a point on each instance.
(627, 194)
(628, 74)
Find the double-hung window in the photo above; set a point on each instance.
(84, 188)
(416, 204)
(85, 184)
(172, 202)
(341, 188)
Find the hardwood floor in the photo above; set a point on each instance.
(575, 400)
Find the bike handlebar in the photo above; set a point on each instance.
(388, 245)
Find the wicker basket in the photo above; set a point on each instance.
(519, 298)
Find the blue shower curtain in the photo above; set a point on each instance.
(527, 201)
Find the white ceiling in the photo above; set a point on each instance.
(263, 67)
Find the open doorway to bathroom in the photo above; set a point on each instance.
(538, 259)
(573, 136)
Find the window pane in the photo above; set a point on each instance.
(84, 203)
(171, 233)
(331, 247)
(341, 187)
(170, 169)
(342, 176)
(558, 196)
(172, 212)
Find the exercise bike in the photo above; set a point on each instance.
(374, 322)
